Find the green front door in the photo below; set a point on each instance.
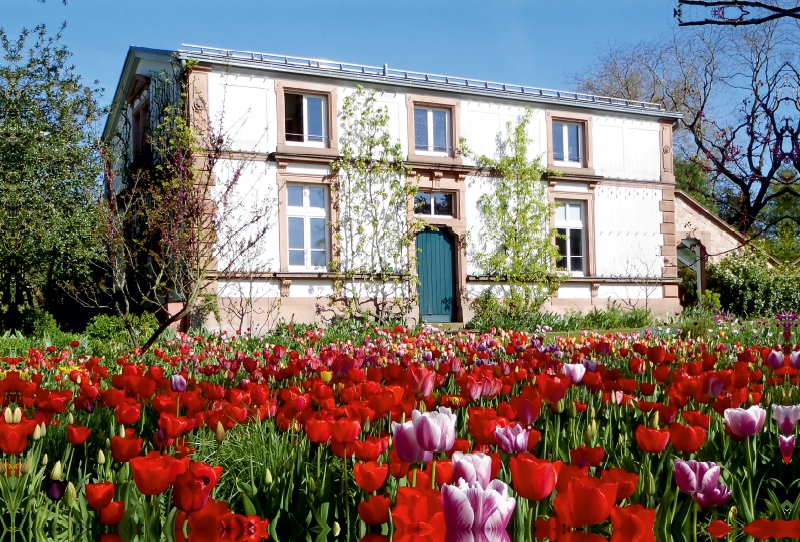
(436, 271)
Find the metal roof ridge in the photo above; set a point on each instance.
(412, 76)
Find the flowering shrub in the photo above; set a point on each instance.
(410, 435)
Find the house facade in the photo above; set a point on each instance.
(614, 198)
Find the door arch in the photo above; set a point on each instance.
(436, 272)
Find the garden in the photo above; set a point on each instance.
(367, 433)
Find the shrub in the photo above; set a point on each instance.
(107, 327)
(748, 286)
(37, 322)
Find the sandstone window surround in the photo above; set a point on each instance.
(584, 165)
(583, 193)
(429, 105)
(290, 90)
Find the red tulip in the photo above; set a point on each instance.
(718, 529)
(154, 472)
(775, 528)
(652, 441)
(375, 511)
(125, 449)
(192, 489)
(686, 438)
(587, 501)
(418, 513)
(99, 495)
(632, 524)
(14, 437)
(583, 456)
(344, 430)
(317, 431)
(77, 435)
(370, 476)
(112, 514)
(626, 481)
(533, 478)
(172, 425)
(127, 413)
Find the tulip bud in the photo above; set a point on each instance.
(70, 419)
(573, 410)
(44, 460)
(122, 431)
(336, 529)
(72, 495)
(732, 515)
(220, 433)
(312, 485)
(122, 475)
(750, 400)
(3, 469)
(593, 413)
(650, 485)
(367, 425)
(78, 381)
(654, 420)
(101, 458)
(17, 415)
(37, 433)
(56, 472)
(26, 467)
(268, 477)
(44, 429)
(8, 415)
(560, 406)
(589, 433)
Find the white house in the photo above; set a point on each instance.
(616, 194)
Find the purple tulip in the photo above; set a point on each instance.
(786, 417)
(177, 383)
(696, 476)
(405, 443)
(745, 422)
(775, 359)
(574, 371)
(435, 431)
(474, 514)
(591, 365)
(717, 496)
(472, 468)
(713, 386)
(55, 489)
(512, 440)
(786, 444)
(794, 359)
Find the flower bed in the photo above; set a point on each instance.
(413, 435)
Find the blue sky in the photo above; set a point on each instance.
(532, 42)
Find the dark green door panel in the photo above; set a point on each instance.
(436, 270)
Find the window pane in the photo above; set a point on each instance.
(421, 129)
(315, 108)
(422, 203)
(576, 242)
(293, 112)
(576, 263)
(296, 257)
(316, 197)
(574, 212)
(317, 227)
(443, 204)
(561, 243)
(560, 211)
(295, 196)
(558, 141)
(318, 258)
(573, 136)
(296, 235)
(440, 131)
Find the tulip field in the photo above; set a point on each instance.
(406, 435)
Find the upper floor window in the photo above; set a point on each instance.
(306, 119)
(432, 131)
(307, 224)
(568, 144)
(434, 204)
(571, 225)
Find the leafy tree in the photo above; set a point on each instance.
(375, 228)
(515, 244)
(48, 175)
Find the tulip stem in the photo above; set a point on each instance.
(695, 506)
(433, 475)
(750, 477)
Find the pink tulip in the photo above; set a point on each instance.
(775, 359)
(475, 514)
(472, 468)
(574, 371)
(420, 380)
(786, 444)
(435, 431)
(512, 440)
(406, 446)
(745, 422)
(712, 386)
(794, 359)
(715, 497)
(696, 476)
(786, 417)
